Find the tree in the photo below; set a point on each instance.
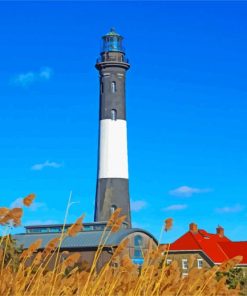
(234, 277)
(10, 251)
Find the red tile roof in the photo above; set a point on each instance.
(216, 247)
(235, 249)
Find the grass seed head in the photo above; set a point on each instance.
(52, 244)
(76, 227)
(228, 264)
(117, 225)
(192, 260)
(127, 264)
(168, 224)
(72, 259)
(4, 211)
(27, 201)
(1, 254)
(121, 247)
(31, 249)
(6, 219)
(14, 215)
(38, 258)
(114, 217)
(34, 246)
(163, 248)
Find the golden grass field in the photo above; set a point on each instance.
(69, 277)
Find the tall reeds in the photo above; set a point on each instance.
(36, 276)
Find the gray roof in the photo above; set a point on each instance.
(86, 239)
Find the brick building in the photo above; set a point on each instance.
(209, 249)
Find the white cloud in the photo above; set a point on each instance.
(45, 73)
(177, 207)
(37, 205)
(26, 79)
(46, 164)
(18, 203)
(137, 205)
(186, 191)
(139, 224)
(230, 209)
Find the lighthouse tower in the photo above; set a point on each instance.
(112, 184)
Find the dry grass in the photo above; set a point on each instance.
(31, 276)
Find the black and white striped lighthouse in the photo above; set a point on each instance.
(112, 184)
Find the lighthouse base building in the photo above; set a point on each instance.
(86, 242)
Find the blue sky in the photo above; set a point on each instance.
(186, 105)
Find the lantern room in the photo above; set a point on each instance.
(112, 41)
(112, 50)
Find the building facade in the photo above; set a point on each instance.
(208, 249)
(87, 240)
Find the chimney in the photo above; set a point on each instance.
(193, 227)
(220, 231)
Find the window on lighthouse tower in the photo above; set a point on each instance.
(114, 114)
(113, 86)
(113, 209)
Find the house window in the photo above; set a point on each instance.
(199, 263)
(137, 253)
(168, 261)
(113, 86)
(138, 243)
(113, 209)
(184, 274)
(55, 229)
(184, 264)
(114, 114)
(87, 228)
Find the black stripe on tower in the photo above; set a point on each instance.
(112, 93)
(112, 193)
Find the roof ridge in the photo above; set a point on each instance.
(218, 243)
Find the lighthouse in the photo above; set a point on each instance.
(113, 182)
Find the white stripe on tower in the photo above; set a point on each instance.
(113, 157)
